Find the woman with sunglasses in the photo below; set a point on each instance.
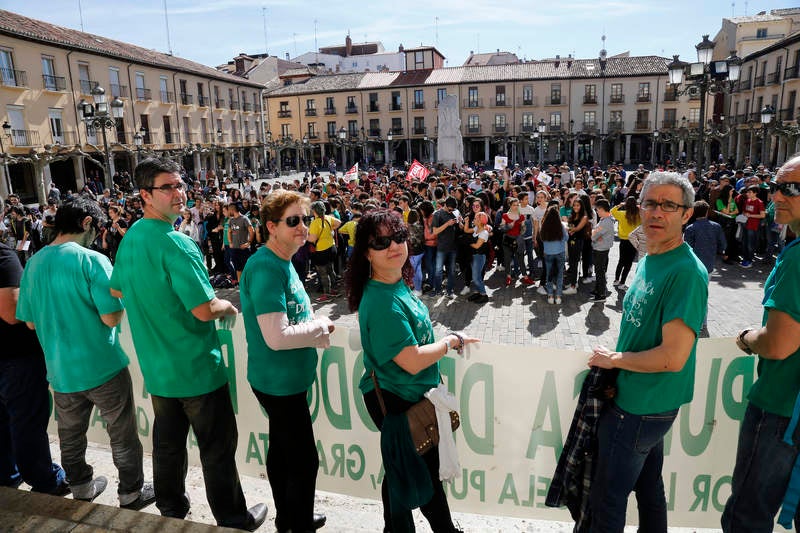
(282, 340)
(398, 342)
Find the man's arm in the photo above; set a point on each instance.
(213, 309)
(8, 304)
(112, 319)
(115, 293)
(778, 339)
(669, 356)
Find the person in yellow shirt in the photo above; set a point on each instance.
(349, 228)
(629, 219)
(322, 233)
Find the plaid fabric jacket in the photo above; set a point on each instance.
(573, 476)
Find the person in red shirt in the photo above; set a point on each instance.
(754, 211)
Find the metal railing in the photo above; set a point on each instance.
(219, 103)
(234, 105)
(616, 125)
(143, 94)
(527, 128)
(419, 130)
(284, 113)
(589, 99)
(248, 107)
(397, 132)
(554, 101)
(744, 85)
(24, 137)
(790, 73)
(473, 103)
(374, 107)
(590, 126)
(167, 97)
(188, 99)
(396, 106)
(66, 138)
(171, 137)
(330, 110)
(641, 125)
(499, 128)
(374, 132)
(419, 105)
(54, 83)
(310, 112)
(668, 124)
(643, 98)
(532, 101)
(472, 130)
(87, 86)
(786, 114)
(203, 101)
(119, 91)
(758, 81)
(554, 127)
(773, 77)
(670, 96)
(616, 99)
(499, 103)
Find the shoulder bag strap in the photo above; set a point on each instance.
(378, 392)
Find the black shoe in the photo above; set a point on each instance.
(255, 517)
(319, 520)
(598, 298)
(481, 299)
(62, 489)
(474, 296)
(99, 484)
(146, 497)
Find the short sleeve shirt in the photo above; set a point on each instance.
(270, 284)
(324, 231)
(64, 291)
(666, 286)
(17, 339)
(778, 382)
(240, 230)
(162, 277)
(391, 318)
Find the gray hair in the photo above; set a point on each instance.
(670, 178)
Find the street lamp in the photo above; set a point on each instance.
(767, 114)
(97, 115)
(138, 140)
(389, 137)
(704, 77)
(342, 140)
(6, 132)
(541, 127)
(653, 148)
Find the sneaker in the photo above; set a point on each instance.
(616, 283)
(508, 281)
(622, 287)
(558, 300)
(571, 290)
(418, 294)
(587, 280)
(551, 299)
(598, 298)
(541, 290)
(465, 290)
(481, 299)
(451, 295)
(146, 496)
(97, 486)
(526, 280)
(474, 296)
(324, 298)
(746, 264)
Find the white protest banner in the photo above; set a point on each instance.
(500, 162)
(516, 406)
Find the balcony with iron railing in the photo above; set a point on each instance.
(188, 99)
(744, 85)
(554, 127)
(203, 101)
(616, 125)
(311, 112)
(641, 125)
(54, 83)
(553, 101)
(65, 138)
(616, 99)
(670, 95)
(234, 105)
(786, 114)
(248, 107)
(419, 105)
(330, 110)
(590, 126)
(251, 137)
(284, 113)
(374, 107)
(207, 138)
(219, 103)
(741, 119)
(527, 128)
(172, 137)
(693, 125)
(396, 106)
(312, 135)
(143, 94)
(773, 77)
(87, 86)
(668, 124)
(643, 98)
(374, 132)
(758, 81)
(499, 128)
(527, 102)
(499, 102)
(397, 132)
(119, 91)
(473, 103)
(790, 73)
(755, 117)
(24, 137)
(236, 137)
(589, 99)
(351, 110)
(167, 97)
(419, 130)
(472, 129)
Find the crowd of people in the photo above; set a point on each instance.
(386, 242)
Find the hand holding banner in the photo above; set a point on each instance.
(417, 171)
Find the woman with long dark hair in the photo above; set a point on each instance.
(579, 228)
(628, 219)
(399, 347)
(726, 211)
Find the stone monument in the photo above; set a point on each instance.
(450, 147)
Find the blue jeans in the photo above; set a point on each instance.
(554, 266)
(416, 264)
(114, 399)
(24, 411)
(763, 467)
(441, 258)
(212, 420)
(429, 264)
(478, 261)
(629, 458)
(750, 241)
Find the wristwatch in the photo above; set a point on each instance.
(742, 344)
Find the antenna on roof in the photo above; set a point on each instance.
(733, 9)
(264, 16)
(316, 50)
(436, 23)
(166, 20)
(80, 12)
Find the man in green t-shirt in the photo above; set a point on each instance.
(161, 277)
(768, 442)
(85, 364)
(662, 315)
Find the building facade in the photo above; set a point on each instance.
(605, 110)
(193, 113)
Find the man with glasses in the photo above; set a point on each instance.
(662, 315)
(86, 365)
(769, 439)
(171, 306)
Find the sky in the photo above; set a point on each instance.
(213, 32)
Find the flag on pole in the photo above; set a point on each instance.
(417, 171)
(352, 174)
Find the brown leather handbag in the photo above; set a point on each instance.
(422, 422)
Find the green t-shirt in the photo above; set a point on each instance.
(64, 290)
(226, 223)
(666, 286)
(270, 284)
(778, 382)
(391, 318)
(162, 277)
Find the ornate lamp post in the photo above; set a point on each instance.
(703, 78)
(541, 127)
(342, 136)
(653, 148)
(389, 137)
(767, 114)
(98, 115)
(6, 131)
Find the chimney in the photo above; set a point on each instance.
(348, 46)
(287, 56)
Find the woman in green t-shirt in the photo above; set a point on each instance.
(282, 340)
(399, 346)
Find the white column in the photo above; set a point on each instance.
(628, 149)
(77, 167)
(486, 148)
(5, 182)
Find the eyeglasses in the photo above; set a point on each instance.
(168, 188)
(294, 220)
(382, 243)
(666, 206)
(790, 189)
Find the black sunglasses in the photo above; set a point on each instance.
(790, 189)
(294, 220)
(382, 243)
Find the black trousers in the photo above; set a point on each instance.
(292, 460)
(436, 511)
(600, 259)
(627, 253)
